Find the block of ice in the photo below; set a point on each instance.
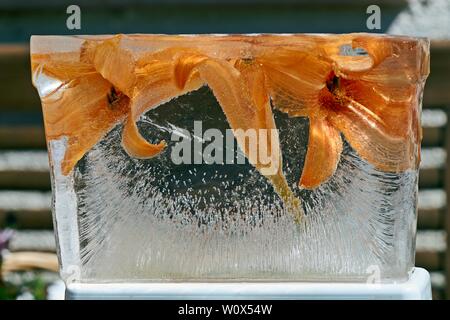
(256, 157)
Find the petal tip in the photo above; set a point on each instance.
(136, 146)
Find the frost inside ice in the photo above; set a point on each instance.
(151, 219)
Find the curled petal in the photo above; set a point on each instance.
(377, 49)
(261, 120)
(392, 61)
(52, 71)
(240, 91)
(183, 69)
(408, 53)
(135, 145)
(353, 66)
(324, 151)
(348, 66)
(113, 62)
(228, 87)
(155, 85)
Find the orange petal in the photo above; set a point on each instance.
(135, 145)
(114, 62)
(154, 86)
(183, 69)
(324, 151)
(377, 48)
(253, 76)
(242, 95)
(393, 105)
(408, 52)
(254, 90)
(83, 112)
(64, 71)
(233, 94)
(392, 60)
(367, 134)
(351, 66)
(50, 72)
(295, 79)
(228, 87)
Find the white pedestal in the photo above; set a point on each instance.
(417, 287)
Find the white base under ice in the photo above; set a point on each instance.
(417, 287)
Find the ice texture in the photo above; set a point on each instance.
(121, 218)
(150, 219)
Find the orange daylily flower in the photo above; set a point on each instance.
(83, 108)
(377, 112)
(372, 100)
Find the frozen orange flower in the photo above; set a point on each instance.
(371, 99)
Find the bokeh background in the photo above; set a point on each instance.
(28, 261)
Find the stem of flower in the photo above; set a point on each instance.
(291, 202)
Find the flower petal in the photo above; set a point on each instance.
(183, 69)
(392, 60)
(114, 62)
(135, 145)
(294, 79)
(353, 66)
(269, 144)
(241, 94)
(393, 105)
(367, 134)
(83, 112)
(324, 151)
(155, 85)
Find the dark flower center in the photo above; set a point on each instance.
(332, 82)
